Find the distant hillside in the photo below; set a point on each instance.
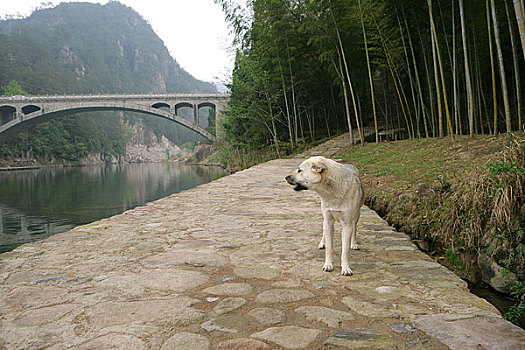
(89, 48)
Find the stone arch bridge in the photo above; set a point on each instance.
(19, 112)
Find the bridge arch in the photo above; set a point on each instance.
(30, 109)
(12, 126)
(207, 104)
(7, 113)
(160, 105)
(182, 105)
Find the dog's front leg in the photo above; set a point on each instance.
(353, 241)
(322, 244)
(328, 234)
(347, 234)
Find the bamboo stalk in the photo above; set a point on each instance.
(449, 122)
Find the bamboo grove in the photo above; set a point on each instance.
(307, 69)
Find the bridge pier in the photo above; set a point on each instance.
(19, 113)
(195, 114)
(219, 117)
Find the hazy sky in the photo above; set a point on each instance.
(194, 31)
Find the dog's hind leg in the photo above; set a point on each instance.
(327, 240)
(353, 223)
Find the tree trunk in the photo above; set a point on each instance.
(418, 82)
(516, 66)
(432, 115)
(470, 96)
(294, 102)
(503, 79)
(454, 70)
(493, 71)
(288, 116)
(436, 76)
(411, 80)
(449, 122)
(518, 9)
(345, 94)
(354, 104)
(274, 128)
(482, 105)
(369, 72)
(398, 87)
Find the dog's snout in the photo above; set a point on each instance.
(289, 179)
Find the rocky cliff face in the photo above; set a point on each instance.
(145, 146)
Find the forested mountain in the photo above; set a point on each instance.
(78, 48)
(433, 68)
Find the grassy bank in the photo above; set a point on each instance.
(391, 172)
(461, 201)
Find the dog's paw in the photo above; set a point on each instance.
(328, 267)
(346, 271)
(321, 246)
(354, 246)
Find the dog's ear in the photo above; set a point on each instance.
(318, 167)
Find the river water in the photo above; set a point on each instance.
(37, 203)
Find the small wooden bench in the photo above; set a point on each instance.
(393, 134)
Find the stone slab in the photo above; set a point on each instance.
(267, 316)
(233, 289)
(472, 333)
(332, 318)
(228, 305)
(282, 295)
(186, 341)
(363, 338)
(177, 310)
(290, 337)
(171, 279)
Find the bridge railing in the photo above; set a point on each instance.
(33, 98)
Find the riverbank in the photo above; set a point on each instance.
(20, 168)
(135, 154)
(237, 259)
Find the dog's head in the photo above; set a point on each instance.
(308, 174)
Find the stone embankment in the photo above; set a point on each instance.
(234, 264)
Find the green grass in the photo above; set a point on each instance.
(391, 166)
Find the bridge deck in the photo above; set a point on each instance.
(30, 98)
(234, 264)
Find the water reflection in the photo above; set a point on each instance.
(37, 203)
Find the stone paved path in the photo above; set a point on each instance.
(233, 264)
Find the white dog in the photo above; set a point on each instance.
(342, 196)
